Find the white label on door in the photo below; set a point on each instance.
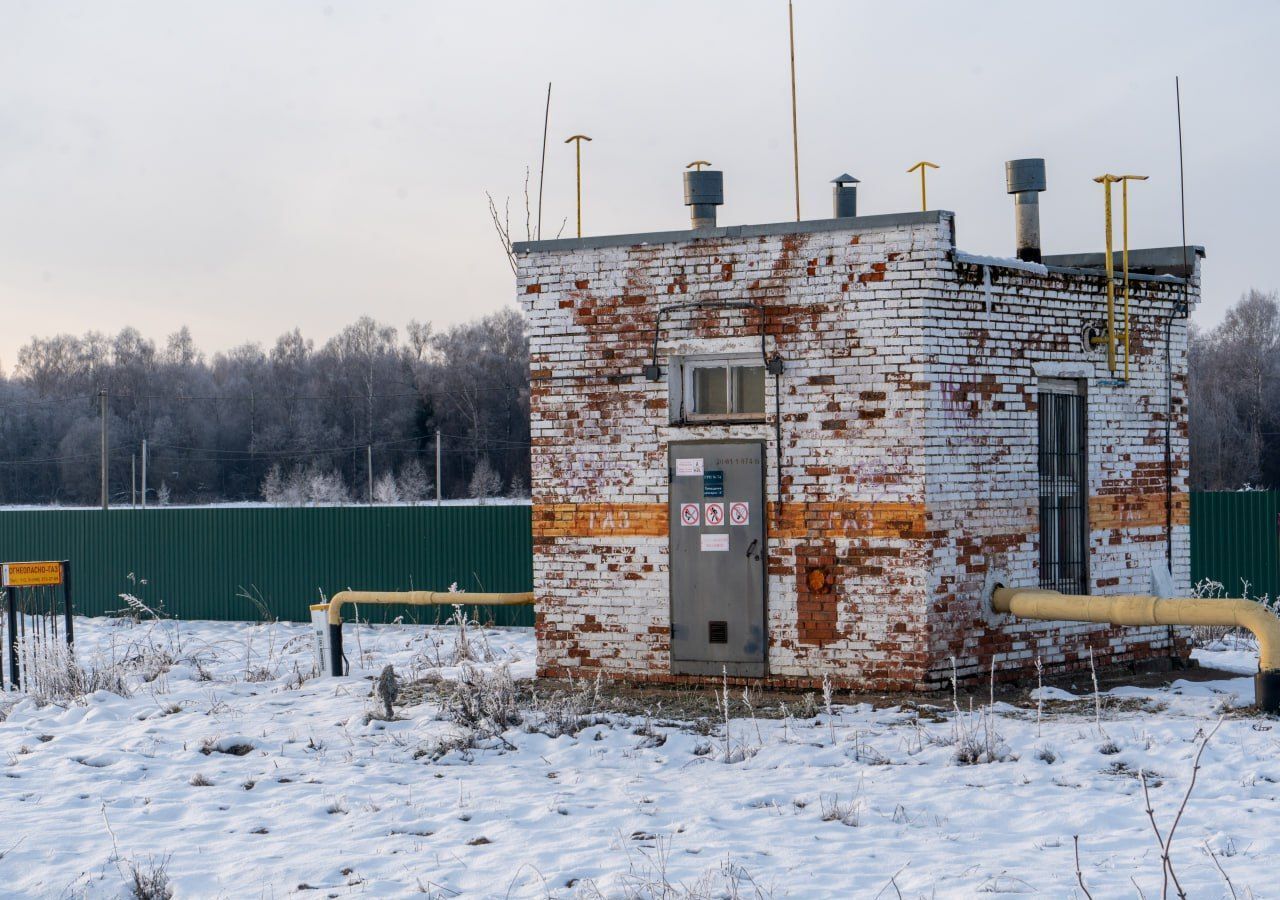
(713, 513)
(715, 542)
(740, 513)
(690, 514)
(689, 466)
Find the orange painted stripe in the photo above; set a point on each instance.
(823, 519)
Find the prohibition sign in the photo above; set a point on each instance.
(714, 513)
(739, 513)
(689, 514)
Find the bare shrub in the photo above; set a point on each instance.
(149, 880)
(51, 674)
(568, 712)
(845, 812)
(974, 735)
(647, 878)
(469, 642)
(483, 701)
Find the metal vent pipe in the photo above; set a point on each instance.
(703, 192)
(1025, 180)
(844, 196)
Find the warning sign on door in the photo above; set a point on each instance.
(714, 513)
(689, 466)
(715, 542)
(740, 513)
(690, 514)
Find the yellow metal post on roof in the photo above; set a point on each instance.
(577, 140)
(924, 165)
(1124, 229)
(1106, 181)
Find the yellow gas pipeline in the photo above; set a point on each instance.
(1144, 609)
(407, 598)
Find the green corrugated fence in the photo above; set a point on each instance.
(1234, 538)
(199, 561)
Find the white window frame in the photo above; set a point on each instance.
(682, 392)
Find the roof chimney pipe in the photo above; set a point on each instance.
(703, 192)
(844, 196)
(1025, 180)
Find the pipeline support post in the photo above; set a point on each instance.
(405, 598)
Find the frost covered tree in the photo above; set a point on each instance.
(517, 488)
(413, 484)
(485, 481)
(273, 485)
(216, 425)
(1234, 397)
(326, 486)
(385, 489)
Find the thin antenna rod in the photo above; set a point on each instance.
(795, 133)
(1182, 183)
(542, 169)
(1168, 351)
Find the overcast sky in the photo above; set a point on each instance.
(247, 167)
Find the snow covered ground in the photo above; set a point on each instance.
(243, 778)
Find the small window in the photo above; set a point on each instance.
(721, 388)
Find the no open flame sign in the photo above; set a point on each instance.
(690, 514)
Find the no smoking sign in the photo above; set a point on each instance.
(690, 514)
(739, 513)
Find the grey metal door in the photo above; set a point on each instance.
(717, 558)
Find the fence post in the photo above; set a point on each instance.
(15, 682)
(68, 608)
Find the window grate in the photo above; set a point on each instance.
(1063, 493)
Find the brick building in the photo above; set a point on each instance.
(789, 450)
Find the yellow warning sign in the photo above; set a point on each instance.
(32, 574)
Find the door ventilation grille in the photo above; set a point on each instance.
(717, 632)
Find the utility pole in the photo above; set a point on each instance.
(369, 458)
(437, 467)
(102, 413)
(133, 481)
(144, 473)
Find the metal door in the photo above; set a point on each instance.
(718, 559)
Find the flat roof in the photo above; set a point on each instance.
(1180, 261)
(809, 226)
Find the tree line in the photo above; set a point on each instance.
(293, 422)
(297, 423)
(1234, 397)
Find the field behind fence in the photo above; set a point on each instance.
(207, 562)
